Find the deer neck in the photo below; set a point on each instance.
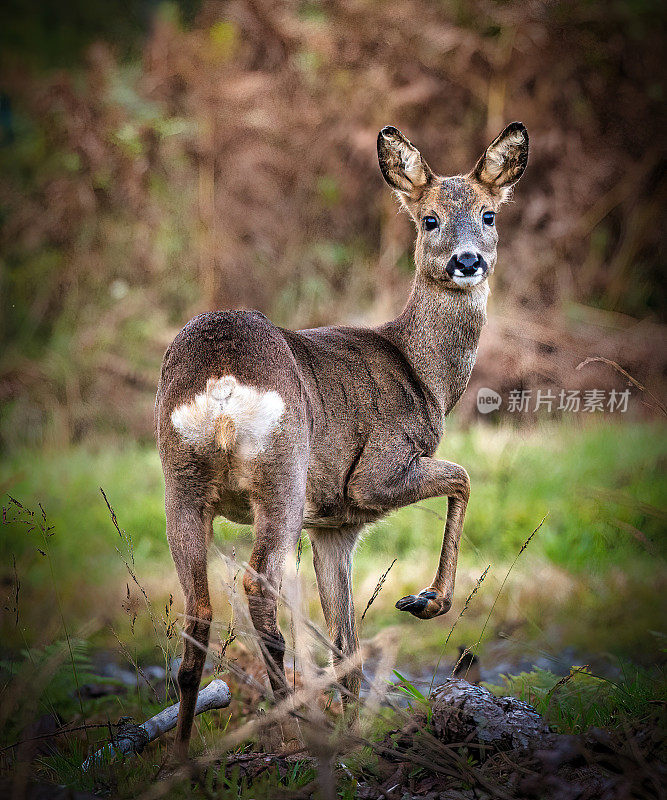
(438, 332)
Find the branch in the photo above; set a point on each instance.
(132, 739)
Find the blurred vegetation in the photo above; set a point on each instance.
(48, 35)
(589, 578)
(192, 157)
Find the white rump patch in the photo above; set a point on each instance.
(229, 416)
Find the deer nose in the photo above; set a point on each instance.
(465, 264)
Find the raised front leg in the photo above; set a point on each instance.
(332, 558)
(421, 478)
(437, 598)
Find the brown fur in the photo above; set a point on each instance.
(363, 415)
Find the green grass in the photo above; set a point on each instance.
(600, 551)
(582, 700)
(592, 578)
(587, 480)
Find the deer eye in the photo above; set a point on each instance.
(430, 223)
(488, 217)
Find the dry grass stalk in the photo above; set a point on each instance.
(474, 591)
(322, 737)
(378, 589)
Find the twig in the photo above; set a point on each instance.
(134, 663)
(634, 381)
(17, 584)
(130, 568)
(44, 530)
(114, 519)
(134, 738)
(640, 536)
(562, 682)
(60, 732)
(299, 550)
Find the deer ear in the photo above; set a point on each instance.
(402, 165)
(504, 160)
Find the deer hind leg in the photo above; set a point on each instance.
(188, 531)
(332, 558)
(277, 529)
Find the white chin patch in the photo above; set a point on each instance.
(468, 280)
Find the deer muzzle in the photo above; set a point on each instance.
(468, 268)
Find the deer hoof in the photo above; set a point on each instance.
(425, 605)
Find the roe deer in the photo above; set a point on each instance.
(330, 428)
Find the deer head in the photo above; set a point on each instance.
(455, 217)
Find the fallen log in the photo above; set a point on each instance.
(131, 739)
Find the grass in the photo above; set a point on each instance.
(601, 547)
(588, 579)
(582, 700)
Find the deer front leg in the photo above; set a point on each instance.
(437, 598)
(421, 478)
